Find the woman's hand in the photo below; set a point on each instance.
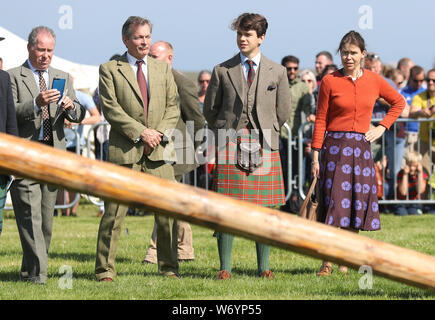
(375, 133)
(315, 167)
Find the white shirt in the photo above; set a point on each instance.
(132, 61)
(245, 65)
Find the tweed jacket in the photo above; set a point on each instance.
(123, 108)
(224, 100)
(25, 90)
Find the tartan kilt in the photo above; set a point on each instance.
(264, 186)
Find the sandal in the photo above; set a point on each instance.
(325, 270)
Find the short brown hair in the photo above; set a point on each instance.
(251, 21)
(135, 21)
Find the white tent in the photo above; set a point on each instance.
(13, 51)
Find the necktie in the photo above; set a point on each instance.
(141, 80)
(251, 72)
(47, 133)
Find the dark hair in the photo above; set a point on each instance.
(287, 59)
(134, 20)
(251, 21)
(415, 70)
(328, 68)
(326, 54)
(354, 38)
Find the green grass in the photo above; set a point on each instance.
(74, 244)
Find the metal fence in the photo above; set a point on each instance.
(294, 181)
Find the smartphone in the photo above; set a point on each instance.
(59, 84)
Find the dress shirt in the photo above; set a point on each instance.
(132, 61)
(245, 65)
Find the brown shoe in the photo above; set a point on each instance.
(107, 279)
(175, 276)
(224, 275)
(325, 270)
(267, 274)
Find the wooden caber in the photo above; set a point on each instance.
(114, 183)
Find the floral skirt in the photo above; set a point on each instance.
(347, 182)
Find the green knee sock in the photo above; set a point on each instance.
(263, 253)
(225, 246)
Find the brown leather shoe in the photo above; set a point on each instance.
(175, 276)
(325, 270)
(224, 275)
(107, 279)
(267, 274)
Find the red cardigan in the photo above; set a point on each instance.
(345, 105)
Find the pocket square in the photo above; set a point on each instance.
(271, 87)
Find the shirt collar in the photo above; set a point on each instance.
(132, 60)
(256, 59)
(34, 70)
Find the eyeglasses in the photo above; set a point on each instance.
(429, 80)
(292, 68)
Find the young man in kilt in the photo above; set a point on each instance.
(247, 102)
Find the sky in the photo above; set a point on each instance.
(89, 31)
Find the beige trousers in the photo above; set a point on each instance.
(185, 243)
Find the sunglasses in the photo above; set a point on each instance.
(204, 81)
(429, 80)
(292, 68)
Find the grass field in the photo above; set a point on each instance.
(74, 245)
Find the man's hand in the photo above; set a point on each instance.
(68, 124)
(375, 133)
(67, 103)
(46, 97)
(151, 137)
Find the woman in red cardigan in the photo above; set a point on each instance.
(346, 168)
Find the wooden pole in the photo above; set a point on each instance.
(209, 209)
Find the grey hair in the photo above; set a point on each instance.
(134, 20)
(203, 72)
(36, 31)
(310, 74)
